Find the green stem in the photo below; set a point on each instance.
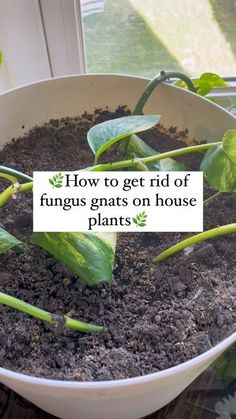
(141, 166)
(12, 179)
(212, 198)
(160, 78)
(233, 106)
(152, 159)
(15, 174)
(206, 235)
(6, 195)
(56, 319)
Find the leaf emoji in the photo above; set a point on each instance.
(141, 219)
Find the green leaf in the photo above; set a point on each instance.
(140, 149)
(140, 219)
(7, 241)
(51, 181)
(207, 82)
(219, 164)
(232, 106)
(1, 57)
(225, 365)
(89, 255)
(181, 83)
(229, 145)
(104, 135)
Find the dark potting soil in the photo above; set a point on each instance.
(157, 315)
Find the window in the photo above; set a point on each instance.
(144, 36)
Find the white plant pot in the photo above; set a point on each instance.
(25, 107)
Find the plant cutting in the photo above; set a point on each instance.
(129, 267)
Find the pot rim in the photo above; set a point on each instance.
(194, 362)
(117, 75)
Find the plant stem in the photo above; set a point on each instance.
(56, 319)
(212, 198)
(160, 78)
(206, 235)
(152, 159)
(12, 190)
(15, 174)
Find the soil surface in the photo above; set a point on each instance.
(157, 315)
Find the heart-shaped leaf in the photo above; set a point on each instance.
(89, 255)
(219, 164)
(104, 135)
(140, 149)
(205, 83)
(7, 241)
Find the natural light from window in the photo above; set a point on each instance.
(143, 36)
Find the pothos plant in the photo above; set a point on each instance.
(91, 255)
